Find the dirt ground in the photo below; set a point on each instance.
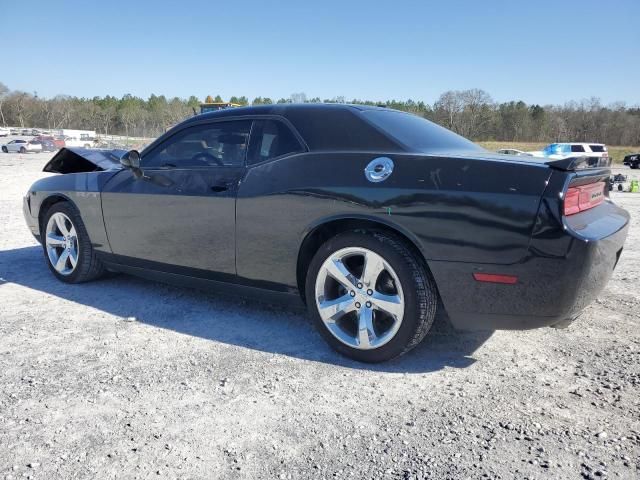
(202, 386)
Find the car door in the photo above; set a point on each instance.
(177, 212)
(15, 145)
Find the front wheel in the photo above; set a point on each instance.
(370, 296)
(4, 149)
(67, 247)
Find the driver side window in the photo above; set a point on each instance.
(220, 144)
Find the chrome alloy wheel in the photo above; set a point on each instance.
(62, 243)
(359, 298)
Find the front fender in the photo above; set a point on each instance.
(82, 190)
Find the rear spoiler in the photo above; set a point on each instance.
(579, 163)
(77, 160)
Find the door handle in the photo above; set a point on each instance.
(221, 187)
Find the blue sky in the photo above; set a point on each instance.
(537, 51)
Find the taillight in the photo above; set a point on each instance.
(584, 197)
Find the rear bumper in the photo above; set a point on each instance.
(558, 279)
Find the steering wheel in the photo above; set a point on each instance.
(206, 158)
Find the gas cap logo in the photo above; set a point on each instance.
(379, 169)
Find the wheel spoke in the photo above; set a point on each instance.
(73, 258)
(60, 223)
(373, 267)
(366, 333)
(55, 240)
(391, 304)
(339, 272)
(332, 310)
(61, 264)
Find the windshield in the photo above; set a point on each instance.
(417, 133)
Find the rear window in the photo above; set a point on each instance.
(417, 133)
(577, 148)
(597, 148)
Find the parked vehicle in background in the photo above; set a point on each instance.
(22, 146)
(512, 151)
(79, 134)
(14, 131)
(632, 161)
(59, 141)
(4, 132)
(78, 142)
(564, 150)
(48, 143)
(26, 132)
(35, 131)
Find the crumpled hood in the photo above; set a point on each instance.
(77, 160)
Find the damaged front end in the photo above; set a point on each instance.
(82, 160)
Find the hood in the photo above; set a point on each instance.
(77, 160)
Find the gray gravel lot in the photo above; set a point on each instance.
(203, 386)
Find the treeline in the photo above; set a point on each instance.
(472, 113)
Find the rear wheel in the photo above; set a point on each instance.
(67, 247)
(23, 150)
(369, 295)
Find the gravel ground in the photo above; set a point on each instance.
(202, 386)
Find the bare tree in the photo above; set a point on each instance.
(4, 90)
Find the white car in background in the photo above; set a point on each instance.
(4, 132)
(563, 150)
(78, 142)
(22, 146)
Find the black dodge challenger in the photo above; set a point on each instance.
(368, 215)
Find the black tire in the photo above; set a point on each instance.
(23, 150)
(634, 166)
(420, 293)
(88, 267)
(4, 149)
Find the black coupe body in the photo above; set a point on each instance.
(344, 208)
(632, 161)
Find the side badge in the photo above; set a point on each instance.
(379, 169)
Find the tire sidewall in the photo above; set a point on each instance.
(83, 241)
(411, 319)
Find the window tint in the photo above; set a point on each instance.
(209, 145)
(271, 139)
(577, 148)
(417, 133)
(598, 148)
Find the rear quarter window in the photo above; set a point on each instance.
(271, 139)
(416, 133)
(597, 148)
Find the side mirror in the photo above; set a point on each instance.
(131, 159)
